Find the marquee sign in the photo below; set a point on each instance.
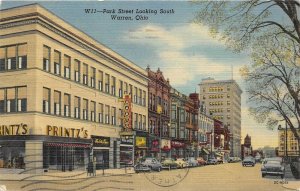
(127, 113)
(67, 132)
(16, 129)
(99, 141)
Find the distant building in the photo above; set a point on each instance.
(288, 141)
(221, 140)
(246, 148)
(222, 100)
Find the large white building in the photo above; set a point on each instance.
(222, 100)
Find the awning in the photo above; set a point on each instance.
(219, 154)
(68, 145)
(205, 151)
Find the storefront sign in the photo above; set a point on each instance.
(165, 144)
(140, 141)
(66, 132)
(16, 129)
(177, 144)
(99, 141)
(127, 140)
(127, 113)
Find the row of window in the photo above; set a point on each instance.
(86, 109)
(154, 101)
(90, 76)
(216, 103)
(13, 57)
(13, 99)
(154, 128)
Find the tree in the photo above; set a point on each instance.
(270, 32)
(273, 84)
(241, 23)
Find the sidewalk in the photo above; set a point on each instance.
(293, 184)
(17, 175)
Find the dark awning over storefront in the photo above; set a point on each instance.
(68, 145)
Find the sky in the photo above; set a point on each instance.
(183, 50)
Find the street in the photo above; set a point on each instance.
(230, 176)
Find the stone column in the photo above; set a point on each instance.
(33, 157)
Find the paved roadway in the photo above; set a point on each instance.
(224, 177)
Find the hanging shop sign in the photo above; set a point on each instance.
(177, 144)
(15, 129)
(165, 144)
(127, 113)
(67, 132)
(155, 145)
(140, 141)
(99, 141)
(126, 140)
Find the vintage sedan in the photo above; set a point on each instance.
(213, 161)
(152, 163)
(169, 163)
(201, 161)
(248, 161)
(272, 167)
(141, 168)
(181, 163)
(192, 162)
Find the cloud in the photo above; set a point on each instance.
(172, 47)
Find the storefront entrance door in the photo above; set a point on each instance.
(67, 159)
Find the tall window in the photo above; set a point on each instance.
(22, 99)
(113, 116)
(85, 109)
(46, 58)
(57, 102)
(144, 98)
(11, 100)
(2, 100)
(144, 122)
(113, 85)
(11, 58)
(120, 117)
(77, 107)
(85, 74)
(100, 80)
(107, 111)
(125, 88)
(140, 96)
(93, 76)
(77, 70)
(140, 121)
(130, 92)
(46, 100)
(2, 59)
(135, 95)
(57, 62)
(107, 83)
(67, 107)
(100, 112)
(120, 88)
(135, 121)
(173, 112)
(22, 56)
(67, 65)
(93, 111)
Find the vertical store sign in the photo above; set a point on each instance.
(127, 113)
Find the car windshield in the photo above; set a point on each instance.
(248, 158)
(273, 162)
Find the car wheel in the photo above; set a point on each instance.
(282, 176)
(159, 169)
(263, 175)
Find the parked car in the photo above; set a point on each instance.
(231, 160)
(272, 167)
(220, 160)
(152, 163)
(192, 162)
(141, 168)
(201, 161)
(181, 163)
(213, 161)
(169, 163)
(248, 161)
(257, 158)
(237, 159)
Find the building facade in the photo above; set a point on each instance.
(288, 144)
(60, 93)
(221, 140)
(246, 148)
(222, 100)
(159, 114)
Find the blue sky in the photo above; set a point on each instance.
(183, 50)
